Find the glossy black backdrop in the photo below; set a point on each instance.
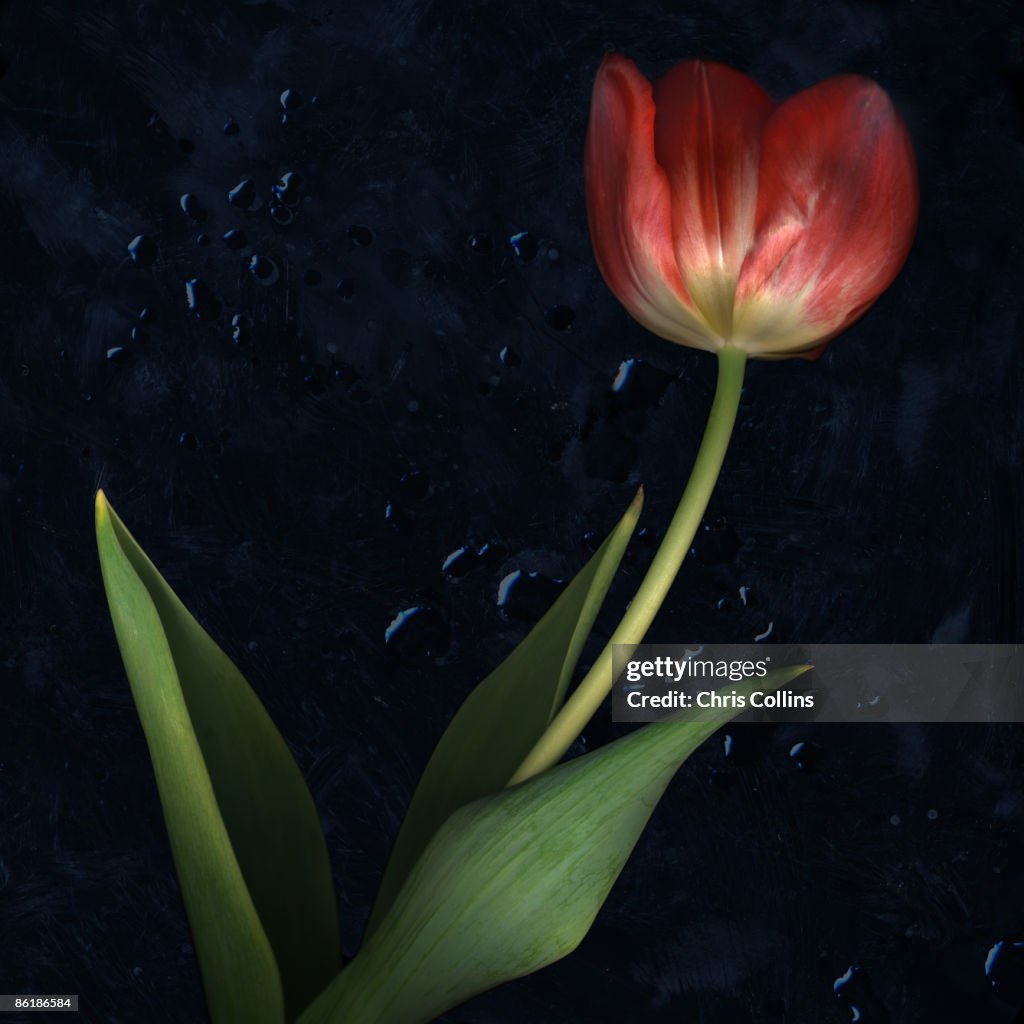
(302, 486)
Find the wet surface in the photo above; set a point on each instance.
(309, 292)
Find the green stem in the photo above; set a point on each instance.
(587, 697)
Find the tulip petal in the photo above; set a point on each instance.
(629, 207)
(836, 213)
(707, 138)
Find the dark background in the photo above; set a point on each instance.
(303, 483)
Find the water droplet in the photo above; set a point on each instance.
(243, 195)
(235, 239)
(459, 562)
(509, 356)
(360, 235)
(117, 354)
(142, 250)
(727, 744)
(625, 369)
(481, 243)
(396, 518)
(312, 276)
(491, 554)
(932, 814)
(263, 269)
(506, 585)
(186, 439)
(524, 244)
(853, 989)
(291, 99)
(203, 239)
(346, 288)
(1004, 968)
(895, 819)
(419, 632)
(138, 335)
(280, 213)
(239, 329)
(201, 301)
(191, 206)
(843, 980)
(527, 596)
(145, 315)
(805, 755)
(637, 387)
(465, 559)
(288, 189)
(874, 706)
(560, 318)
(231, 127)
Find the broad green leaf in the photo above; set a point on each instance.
(244, 832)
(499, 722)
(513, 881)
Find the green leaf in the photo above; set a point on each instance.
(513, 881)
(499, 722)
(244, 832)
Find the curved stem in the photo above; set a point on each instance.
(587, 697)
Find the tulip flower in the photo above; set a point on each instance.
(719, 217)
(723, 221)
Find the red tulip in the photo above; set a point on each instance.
(719, 217)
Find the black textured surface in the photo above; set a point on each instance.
(401, 380)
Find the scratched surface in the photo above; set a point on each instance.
(343, 377)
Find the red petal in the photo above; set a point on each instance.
(707, 138)
(629, 206)
(837, 206)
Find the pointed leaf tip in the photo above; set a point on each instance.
(502, 719)
(245, 835)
